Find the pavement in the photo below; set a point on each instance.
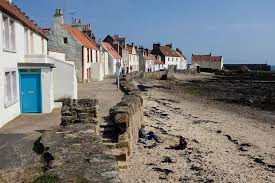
(17, 137)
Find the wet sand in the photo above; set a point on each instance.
(226, 142)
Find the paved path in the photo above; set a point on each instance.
(17, 137)
(108, 95)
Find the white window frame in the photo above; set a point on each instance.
(12, 35)
(26, 41)
(13, 84)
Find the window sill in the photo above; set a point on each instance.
(10, 103)
(9, 50)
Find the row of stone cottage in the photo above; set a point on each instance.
(41, 66)
(95, 59)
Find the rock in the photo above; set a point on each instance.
(167, 159)
(184, 178)
(219, 131)
(163, 176)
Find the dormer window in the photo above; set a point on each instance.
(65, 40)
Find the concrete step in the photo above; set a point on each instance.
(104, 125)
(122, 165)
(107, 129)
(111, 145)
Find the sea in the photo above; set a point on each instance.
(273, 67)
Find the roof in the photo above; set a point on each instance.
(85, 41)
(45, 30)
(181, 55)
(158, 62)
(129, 49)
(111, 50)
(147, 57)
(13, 11)
(167, 51)
(206, 58)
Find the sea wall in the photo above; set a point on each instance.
(159, 75)
(128, 117)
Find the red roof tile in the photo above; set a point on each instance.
(45, 30)
(17, 14)
(167, 51)
(111, 50)
(147, 57)
(158, 62)
(81, 37)
(206, 58)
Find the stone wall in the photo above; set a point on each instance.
(72, 50)
(159, 75)
(75, 152)
(80, 111)
(128, 117)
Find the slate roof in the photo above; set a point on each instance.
(206, 58)
(13, 11)
(111, 50)
(85, 41)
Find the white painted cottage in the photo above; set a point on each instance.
(113, 58)
(26, 71)
(169, 56)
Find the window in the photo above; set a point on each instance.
(10, 88)
(8, 34)
(91, 55)
(65, 40)
(88, 55)
(12, 35)
(32, 43)
(42, 46)
(168, 59)
(172, 59)
(26, 32)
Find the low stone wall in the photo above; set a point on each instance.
(160, 75)
(128, 117)
(75, 152)
(80, 111)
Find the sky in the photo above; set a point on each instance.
(243, 31)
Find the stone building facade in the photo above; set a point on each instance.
(76, 46)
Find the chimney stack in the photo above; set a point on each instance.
(170, 45)
(87, 29)
(58, 17)
(156, 46)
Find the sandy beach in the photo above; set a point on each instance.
(225, 142)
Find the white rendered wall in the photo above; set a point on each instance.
(106, 65)
(64, 79)
(98, 71)
(8, 62)
(56, 55)
(47, 90)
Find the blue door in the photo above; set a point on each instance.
(30, 92)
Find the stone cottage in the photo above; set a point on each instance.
(74, 41)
